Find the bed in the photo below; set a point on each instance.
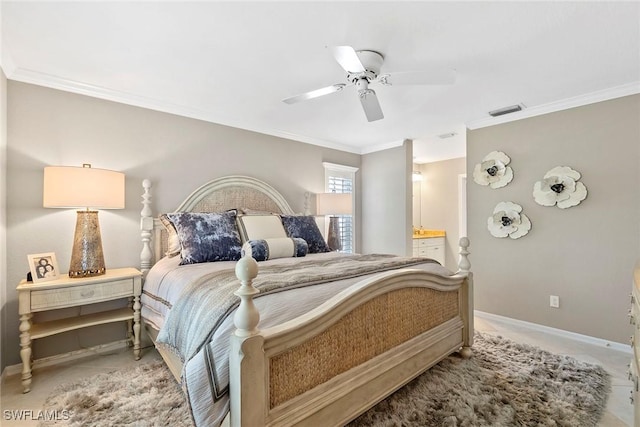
(303, 336)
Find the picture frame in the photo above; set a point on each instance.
(43, 267)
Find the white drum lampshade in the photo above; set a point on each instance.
(90, 188)
(334, 204)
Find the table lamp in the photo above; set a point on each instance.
(333, 204)
(90, 188)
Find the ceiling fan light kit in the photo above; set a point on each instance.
(363, 68)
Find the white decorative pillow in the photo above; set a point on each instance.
(250, 211)
(280, 247)
(260, 227)
(173, 242)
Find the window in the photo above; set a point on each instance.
(341, 179)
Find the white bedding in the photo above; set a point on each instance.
(163, 287)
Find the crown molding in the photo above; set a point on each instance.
(565, 104)
(54, 82)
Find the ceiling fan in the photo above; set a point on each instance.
(363, 69)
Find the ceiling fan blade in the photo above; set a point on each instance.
(314, 93)
(431, 77)
(370, 104)
(348, 59)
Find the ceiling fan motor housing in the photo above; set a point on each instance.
(371, 61)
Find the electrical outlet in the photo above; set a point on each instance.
(554, 301)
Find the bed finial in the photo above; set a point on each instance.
(247, 317)
(464, 265)
(146, 228)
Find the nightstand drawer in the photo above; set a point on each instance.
(432, 241)
(81, 294)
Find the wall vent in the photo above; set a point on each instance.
(506, 110)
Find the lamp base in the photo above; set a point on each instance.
(87, 258)
(333, 237)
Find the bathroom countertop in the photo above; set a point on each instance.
(427, 234)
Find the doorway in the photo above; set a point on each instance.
(462, 205)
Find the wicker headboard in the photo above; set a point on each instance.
(221, 194)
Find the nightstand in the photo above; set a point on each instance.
(66, 292)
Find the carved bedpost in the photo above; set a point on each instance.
(464, 267)
(146, 228)
(246, 358)
(247, 317)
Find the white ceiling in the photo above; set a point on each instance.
(233, 62)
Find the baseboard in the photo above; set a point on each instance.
(625, 348)
(67, 357)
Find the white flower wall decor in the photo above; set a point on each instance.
(508, 220)
(493, 170)
(560, 187)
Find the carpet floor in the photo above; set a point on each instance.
(503, 384)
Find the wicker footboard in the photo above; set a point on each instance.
(335, 362)
(370, 330)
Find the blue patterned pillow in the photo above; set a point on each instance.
(282, 247)
(305, 227)
(206, 237)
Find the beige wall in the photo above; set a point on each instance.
(513, 278)
(583, 254)
(50, 127)
(439, 205)
(386, 201)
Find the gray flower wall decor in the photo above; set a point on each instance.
(493, 170)
(508, 221)
(560, 187)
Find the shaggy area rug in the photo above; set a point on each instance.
(503, 384)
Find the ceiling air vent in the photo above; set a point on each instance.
(447, 135)
(506, 110)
